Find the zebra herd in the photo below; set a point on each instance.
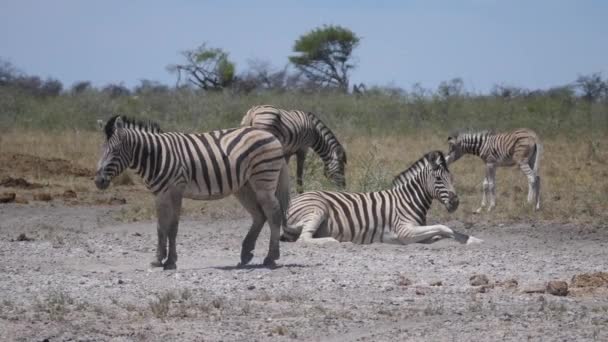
(250, 162)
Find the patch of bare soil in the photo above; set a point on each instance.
(19, 183)
(25, 164)
(597, 279)
(76, 273)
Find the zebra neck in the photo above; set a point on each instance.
(473, 143)
(147, 153)
(323, 139)
(413, 200)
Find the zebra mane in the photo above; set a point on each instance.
(429, 159)
(145, 126)
(460, 133)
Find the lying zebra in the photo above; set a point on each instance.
(395, 215)
(298, 131)
(245, 162)
(520, 147)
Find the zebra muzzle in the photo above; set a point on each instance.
(101, 182)
(452, 203)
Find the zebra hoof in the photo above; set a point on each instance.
(246, 258)
(473, 241)
(168, 266)
(269, 263)
(156, 263)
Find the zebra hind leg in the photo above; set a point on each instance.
(311, 225)
(533, 181)
(247, 198)
(272, 210)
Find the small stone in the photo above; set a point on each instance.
(403, 281)
(437, 283)
(557, 288)
(23, 237)
(479, 279)
(120, 282)
(251, 287)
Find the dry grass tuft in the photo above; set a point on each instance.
(570, 188)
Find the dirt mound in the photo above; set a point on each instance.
(598, 279)
(17, 163)
(20, 183)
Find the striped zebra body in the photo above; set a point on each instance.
(396, 215)
(298, 131)
(520, 147)
(245, 162)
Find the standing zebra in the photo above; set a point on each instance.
(394, 215)
(521, 146)
(298, 131)
(245, 162)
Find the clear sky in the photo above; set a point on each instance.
(532, 44)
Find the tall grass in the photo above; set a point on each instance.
(383, 133)
(372, 114)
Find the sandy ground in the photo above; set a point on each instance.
(85, 277)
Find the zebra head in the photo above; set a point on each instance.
(334, 168)
(441, 181)
(455, 150)
(115, 154)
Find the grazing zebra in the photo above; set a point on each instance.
(520, 147)
(396, 215)
(298, 131)
(246, 162)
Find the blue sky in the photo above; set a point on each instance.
(532, 44)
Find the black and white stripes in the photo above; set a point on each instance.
(520, 147)
(397, 214)
(246, 162)
(298, 131)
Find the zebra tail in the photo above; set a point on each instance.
(539, 151)
(283, 193)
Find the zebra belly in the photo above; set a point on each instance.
(193, 192)
(361, 234)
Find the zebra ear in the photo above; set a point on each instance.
(436, 159)
(100, 124)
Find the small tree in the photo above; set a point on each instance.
(80, 87)
(205, 67)
(324, 55)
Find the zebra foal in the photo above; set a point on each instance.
(520, 147)
(298, 131)
(245, 162)
(396, 215)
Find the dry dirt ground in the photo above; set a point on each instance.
(74, 268)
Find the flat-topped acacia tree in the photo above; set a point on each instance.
(324, 55)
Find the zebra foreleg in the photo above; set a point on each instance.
(168, 208)
(161, 248)
(410, 234)
(247, 198)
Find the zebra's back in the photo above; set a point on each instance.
(508, 148)
(292, 127)
(215, 164)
